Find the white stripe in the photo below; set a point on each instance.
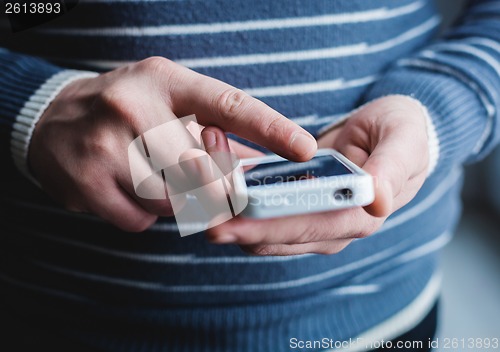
(165, 227)
(355, 290)
(45, 290)
(416, 253)
(487, 104)
(318, 120)
(191, 259)
(254, 59)
(223, 27)
(428, 25)
(304, 120)
(468, 49)
(428, 248)
(421, 207)
(308, 88)
(326, 119)
(317, 54)
(156, 286)
(176, 259)
(484, 42)
(365, 262)
(402, 322)
(224, 288)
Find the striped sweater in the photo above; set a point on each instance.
(313, 61)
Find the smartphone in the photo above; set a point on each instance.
(278, 187)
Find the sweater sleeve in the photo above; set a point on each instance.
(457, 78)
(27, 86)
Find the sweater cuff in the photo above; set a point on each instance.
(31, 112)
(460, 116)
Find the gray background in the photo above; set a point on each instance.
(470, 305)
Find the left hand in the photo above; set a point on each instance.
(388, 139)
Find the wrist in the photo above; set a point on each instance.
(32, 112)
(432, 136)
(433, 146)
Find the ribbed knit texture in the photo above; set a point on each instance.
(30, 113)
(20, 77)
(314, 61)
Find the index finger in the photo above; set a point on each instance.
(217, 103)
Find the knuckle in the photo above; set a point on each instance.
(163, 74)
(115, 99)
(122, 110)
(273, 126)
(230, 102)
(154, 64)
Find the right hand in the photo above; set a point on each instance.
(78, 152)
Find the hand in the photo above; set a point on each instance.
(388, 139)
(78, 151)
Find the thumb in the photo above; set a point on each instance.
(387, 166)
(383, 203)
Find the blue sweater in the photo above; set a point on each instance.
(311, 60)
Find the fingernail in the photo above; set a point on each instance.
(225, 238)
(210, 139)
(302, 143)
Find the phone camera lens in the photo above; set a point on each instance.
(343, 194)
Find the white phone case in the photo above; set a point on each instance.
(308, 195)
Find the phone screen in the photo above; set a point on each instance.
(289, 171)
